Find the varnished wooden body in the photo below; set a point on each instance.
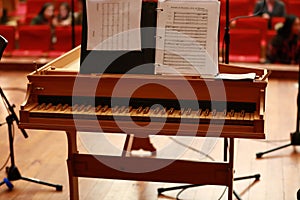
(53, 81)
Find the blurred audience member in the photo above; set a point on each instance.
(6, 7)
(64, 16)
(45, 15)
(273, 8)
(284, 47)
(78, 14)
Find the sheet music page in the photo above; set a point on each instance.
(113, 24)
(187, 37)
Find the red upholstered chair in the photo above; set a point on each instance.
(34, 6)
(34, 40)
(63, 41)
(270, 35)
(58, 2)
(78, 35)
(27, 19)
(63, 38)
(245, 45)
(221, 36)
(293, 7)
(9, 33)
(275, 21)
(257, 23)
(32, 9)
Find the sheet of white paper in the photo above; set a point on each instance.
(250, 76)
(187, 37)
(113, 24)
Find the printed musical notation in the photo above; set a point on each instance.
(113, 24)
(186, 32)
(187, 35)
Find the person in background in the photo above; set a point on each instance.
(273, 8)
(78, 14)
(3, 13)
(284, 47)
(45, 15)
(64, 16)
(6, 7)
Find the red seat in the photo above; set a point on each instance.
(222, 32)
(28, 18)
(275, 21)
(270, 35)
(63, 38)
(78, 35)
(293, 7)
(63, 41)
(245, 45)
(257, 23)
(34, 6)
(34, 40)
(9, 32)
(58, 2)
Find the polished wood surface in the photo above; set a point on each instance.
(233, 91)
(153, 88)
(40, 156)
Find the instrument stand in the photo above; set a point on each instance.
(295, 136)
(295, 140)
(255, 176)
(13, 173)
(161, 190)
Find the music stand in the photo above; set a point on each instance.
(12, 171)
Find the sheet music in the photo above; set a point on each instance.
(187, 37)
(114, 24)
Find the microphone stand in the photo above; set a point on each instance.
(73, 22)
(295, 136)
(12, 171)
(296, 133)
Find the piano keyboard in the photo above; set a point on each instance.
(143, 113)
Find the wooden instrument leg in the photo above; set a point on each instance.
(231, 164)
(73, 180)
(136, 143)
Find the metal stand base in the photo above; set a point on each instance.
(13, 174)
(161, 190)
(295, 141)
